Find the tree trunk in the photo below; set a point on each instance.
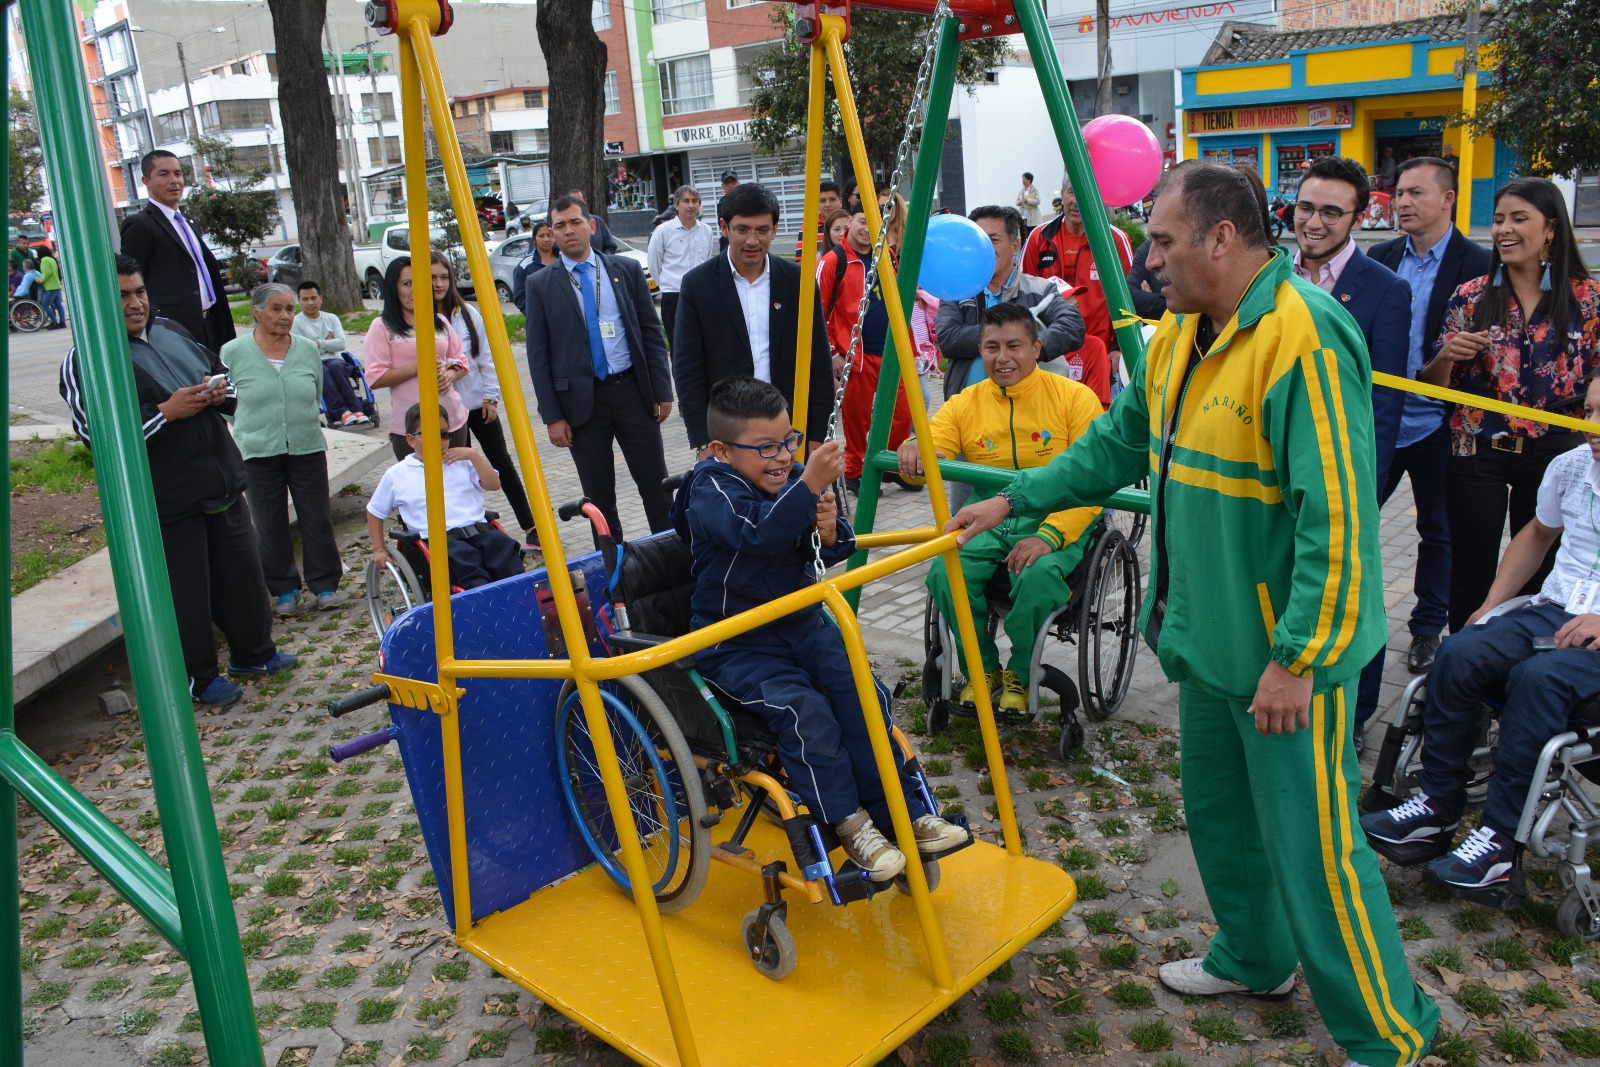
(311, 151)
(576, 60)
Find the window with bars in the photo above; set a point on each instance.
(218, 115)
(384, 102)
(613, 100)
(388, 149)
(600, 15)
(173, 126)
(686, 85)
(501, 142)
(533, 98)
(676, 10)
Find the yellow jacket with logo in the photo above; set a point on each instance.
(1264, 515)
(1024, 426)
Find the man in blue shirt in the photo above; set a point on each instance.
(1435, 259)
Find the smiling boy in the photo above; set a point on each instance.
(1016, 419)
(748, 512)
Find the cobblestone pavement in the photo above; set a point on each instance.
(351, 960)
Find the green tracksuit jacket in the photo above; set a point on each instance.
(1264, 513)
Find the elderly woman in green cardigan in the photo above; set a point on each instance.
(278, 379)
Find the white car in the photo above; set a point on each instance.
(503, 260)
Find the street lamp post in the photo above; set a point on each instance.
(277, 191)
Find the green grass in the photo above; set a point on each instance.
(443, 1007)
(1471, 919)
(1015, 1046)
(1100, 922)
(280, 978)
(338, 976)
(1518, 1044)
(489, 1045)
(1218, 1029)
(391, 974)
(61, 466)
(1478, 999)
(1455, 1050)
(1004, 1006)
(1444, 958)
(555, 1040)
(1072, 1003)
(360, 1054)
(80, 956)
(104, 925)
(316, 1014)
(354, 943)
(46, 994)
(1508, 949)
(1542, 994)
(281, 884)
(376, 1011)
(949, 1050)
(1078, 858)
(1120, 957)
(1091, 887)
(1165, 919)
(178, 1054)
(108, 987)
(1153, 1036)
(1131, 995)
(426, 1047)
(48, 928)
(1083, 1039)
(1580, 1040)
(1415, 928)
(1286, 1020)
(137, 1022)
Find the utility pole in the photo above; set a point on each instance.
(353, 187)
(277, 190)
(1469, 104)
(369, 47)
(1102, 35)
(201, 172)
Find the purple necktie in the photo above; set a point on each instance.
(199, 261)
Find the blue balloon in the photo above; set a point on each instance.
(957, 258)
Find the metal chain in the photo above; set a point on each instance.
(902, 159)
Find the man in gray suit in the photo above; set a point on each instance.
(598, 360)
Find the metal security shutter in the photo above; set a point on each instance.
(529, 183)
(784, 175)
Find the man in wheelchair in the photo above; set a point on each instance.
(1536, 663)
(748, 513)
(1016, 418)
(479, 552)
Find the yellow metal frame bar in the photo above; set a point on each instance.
(1483, 403)
(422, 87)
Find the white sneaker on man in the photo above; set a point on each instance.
(1188, 978)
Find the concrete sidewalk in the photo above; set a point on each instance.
(73, 616)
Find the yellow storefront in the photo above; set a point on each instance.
(1284, 98)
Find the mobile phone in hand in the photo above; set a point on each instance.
(218, 383)
(1545, 644)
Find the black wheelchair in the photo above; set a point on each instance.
(405, 581)
(1101, 619)
(691, 756)
(1560, 787)
(357, 375)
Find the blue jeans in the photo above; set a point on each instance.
(54, 309)
(1537, 690)
(1424, 461)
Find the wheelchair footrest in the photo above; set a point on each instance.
(1001, 716)
(853, 883)
(1506, 896)
(1410, 854)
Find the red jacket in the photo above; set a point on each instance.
(841, 297)
(1052, 251)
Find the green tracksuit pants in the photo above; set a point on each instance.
(1289, 875)
(1035, 594)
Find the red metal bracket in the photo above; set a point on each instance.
(808, 21)
(978, 18)
(384, 15)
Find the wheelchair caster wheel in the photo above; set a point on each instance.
(1072, 738)
(775, 956)
(930, 871)
(938, 717)
(1574, 920)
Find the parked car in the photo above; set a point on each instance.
(504, 258)
(491, 212)
(527, 216)
(373, 260)
(234, 276)
(285, 266)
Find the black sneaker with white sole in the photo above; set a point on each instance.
(1411, 832)
(1482, 868)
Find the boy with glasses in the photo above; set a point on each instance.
(478, 551)
(749, 513)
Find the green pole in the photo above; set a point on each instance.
(10, 875)
(144, 596)
(1130, 338)
(941, 87)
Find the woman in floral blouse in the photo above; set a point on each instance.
(1525, 333)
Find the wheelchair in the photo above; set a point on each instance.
(1101, 618)
(1567, 763)
(358, 381)
(27, 316)
(692, 756)
(404, 582)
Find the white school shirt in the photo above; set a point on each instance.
(401, 488)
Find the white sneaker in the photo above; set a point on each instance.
(1188, 978)
(935, 835)
(869, 849)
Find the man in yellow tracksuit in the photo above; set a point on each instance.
(1253, 421)
(1016, 418)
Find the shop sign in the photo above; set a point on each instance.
(1325, 115)
(1200, 12)
(616, 148)
(709, 134)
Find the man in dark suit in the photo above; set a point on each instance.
(1436, 259)
(739, 313)
(599, 365)
(184, 278)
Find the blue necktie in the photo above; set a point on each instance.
(591, 318)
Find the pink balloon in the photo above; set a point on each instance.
(1125, 157)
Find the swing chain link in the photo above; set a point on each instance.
(902, 160)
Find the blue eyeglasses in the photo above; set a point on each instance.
(770, 449)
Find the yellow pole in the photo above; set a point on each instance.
(883, 755)
(808, 249)
(1469, 104)
(832, 27)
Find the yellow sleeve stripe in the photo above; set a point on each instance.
(1344, 889)
(1342, 581)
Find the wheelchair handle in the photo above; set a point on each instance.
(365, 743)
(584, 506)
(672, 482)
(355, 701)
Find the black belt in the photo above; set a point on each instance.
(616, 377)
(467, 533)
(1559, 440)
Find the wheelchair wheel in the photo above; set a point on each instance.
(26, 315)
(775, 956)
(392, 590)
(1573, 918)
(1108, 629)
(664, 790)
(936, 671)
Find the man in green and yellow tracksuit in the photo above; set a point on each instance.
(1017, 418)
(1253, 420)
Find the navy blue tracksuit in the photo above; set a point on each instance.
(751, 547)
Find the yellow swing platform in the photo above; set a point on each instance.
(480, 684)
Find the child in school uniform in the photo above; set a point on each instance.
(747, 512)
(478, 552)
